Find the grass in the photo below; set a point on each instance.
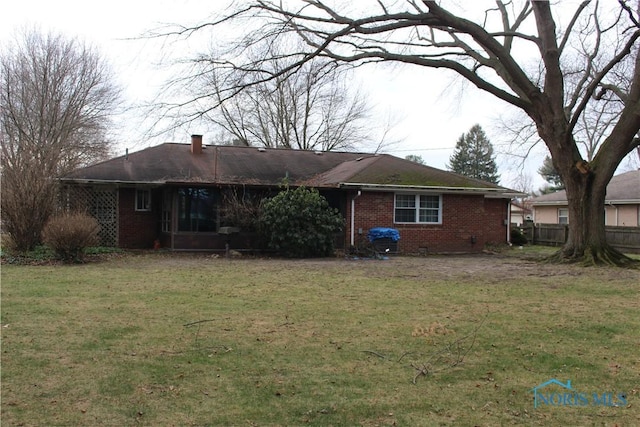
(156, 339)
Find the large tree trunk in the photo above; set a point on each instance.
(585, 183)
(586, 242)
(586, 186)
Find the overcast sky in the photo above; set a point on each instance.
(431, 108)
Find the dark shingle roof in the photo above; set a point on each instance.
(174, 163)
(622, 188)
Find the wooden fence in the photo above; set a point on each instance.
(625, 239)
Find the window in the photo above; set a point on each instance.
(143, 200)
(419, 208)
(563, 216)
(196, 210)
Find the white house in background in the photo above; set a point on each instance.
(521, 212)
(622, 203)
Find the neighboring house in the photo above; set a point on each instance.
(622, 203)
(521, 212)
(178, 196)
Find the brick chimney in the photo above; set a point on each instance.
(196, 144)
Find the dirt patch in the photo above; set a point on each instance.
(494, 268)
(481, 268)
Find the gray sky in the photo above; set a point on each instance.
(430, 107)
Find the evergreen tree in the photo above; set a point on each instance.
(551, 175)
(473, 156)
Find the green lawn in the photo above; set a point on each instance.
(157, 339)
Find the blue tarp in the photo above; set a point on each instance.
(382, 233)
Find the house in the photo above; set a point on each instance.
(521, 212)
(622, 203)
(179, 196)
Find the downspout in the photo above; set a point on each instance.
(353, 217)
(509, 221)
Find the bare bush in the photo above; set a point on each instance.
(241, 210)
(70, 234)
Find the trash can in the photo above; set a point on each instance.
(384, 239)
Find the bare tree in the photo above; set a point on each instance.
(56, 98)
(576, 63)
(313, 109)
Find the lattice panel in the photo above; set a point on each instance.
(99, 203)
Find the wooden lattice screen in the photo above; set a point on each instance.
(102, 204)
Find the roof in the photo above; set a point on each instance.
(622, 189)
(233, 165)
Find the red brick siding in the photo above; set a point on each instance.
(463, 216)
(137, 229)
(495, 213)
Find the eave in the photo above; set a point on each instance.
(487, 192)
(606, 202)
(85, 181)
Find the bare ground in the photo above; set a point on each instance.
(488, 267)
(485, 267)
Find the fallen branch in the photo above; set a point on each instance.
(215, 347)
(381, 356)
(186, 325)
(449, 356)
(406, 353)
(452, 355)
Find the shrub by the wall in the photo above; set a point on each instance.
(518, 237)
(299, 223)
(70, 234)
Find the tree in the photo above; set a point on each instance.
(299, 223)
(473, 156)
(316, 108)
(549, 173)
(313, 109)
(56, 98)
(415, 158)
(515, 51)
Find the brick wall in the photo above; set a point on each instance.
(137, 229)
(495, 213)
(468, 223)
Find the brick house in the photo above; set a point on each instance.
(180, 196)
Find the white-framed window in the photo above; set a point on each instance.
(418, 208)
(143, 200)
(563, 216)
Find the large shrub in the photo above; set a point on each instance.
(70, 234)
(518, 237)
(299, 223)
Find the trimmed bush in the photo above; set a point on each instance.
(70, 234)
(299, 223)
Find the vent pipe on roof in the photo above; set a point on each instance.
(196, 144)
